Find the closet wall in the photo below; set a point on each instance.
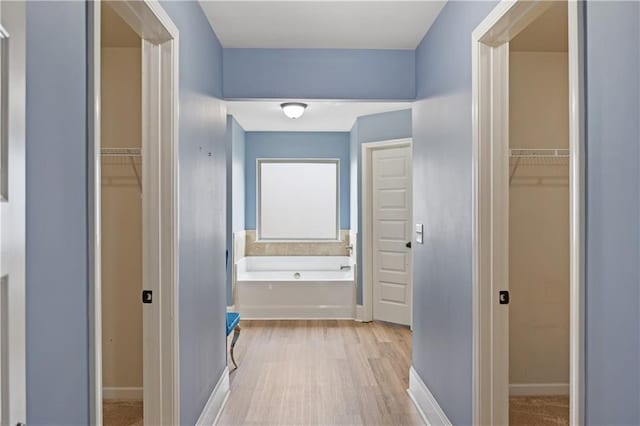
(539, 221)
(121, 223)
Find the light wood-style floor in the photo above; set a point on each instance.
(321, 373)
(329, 373)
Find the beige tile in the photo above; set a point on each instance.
(255, 248)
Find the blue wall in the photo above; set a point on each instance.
(235, 192)
(202, 132)
(371, 128)
(56, 258)
(442, 183)
(238, 174)
(613, 213)
(319, 74)
(296, 145)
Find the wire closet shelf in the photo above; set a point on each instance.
(130, 156)
(536, 157)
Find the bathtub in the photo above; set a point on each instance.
(295, 287)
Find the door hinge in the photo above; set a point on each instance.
(503, 297)
(147, 296)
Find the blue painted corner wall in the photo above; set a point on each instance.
(442, 182)
(371, 128)
(613, 212)
(319, 74)
(296, 145)
(57, 333)
(238, 140)
(203, 210)
(235, 193)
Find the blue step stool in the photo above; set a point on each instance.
(233, 324)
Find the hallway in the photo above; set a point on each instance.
(321, 372)
(247, 151)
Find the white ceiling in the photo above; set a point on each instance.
(322, 24)
(320, 116)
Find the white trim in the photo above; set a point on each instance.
(425, 402)
(490, 119)
(538, 389)
(367, 245)
(13, 369)
(217, 400)
(94, 209)
(231, 308)
(120, 393)
(359, 313)
(576, 214)
(239, 241)
(160, 141)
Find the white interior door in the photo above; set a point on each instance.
(12, 214)
(391, 203)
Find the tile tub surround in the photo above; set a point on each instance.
(328, 248)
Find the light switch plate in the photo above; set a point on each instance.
(419, 233)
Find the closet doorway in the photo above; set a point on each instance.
(121, 220)
(528, 262)
(539, 221)
(133, 94)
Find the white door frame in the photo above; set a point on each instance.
(367, 222)
(490, 62)
(160, 58)
(13, 407)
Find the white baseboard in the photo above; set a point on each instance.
(427, 405)
(122, 393)
(216, 402)
(359, 313)
(538, 389)
(231, 308)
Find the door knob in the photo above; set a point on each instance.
(408, 245)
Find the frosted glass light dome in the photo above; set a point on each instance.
(293, 109)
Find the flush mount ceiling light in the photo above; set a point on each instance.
(293, 109)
